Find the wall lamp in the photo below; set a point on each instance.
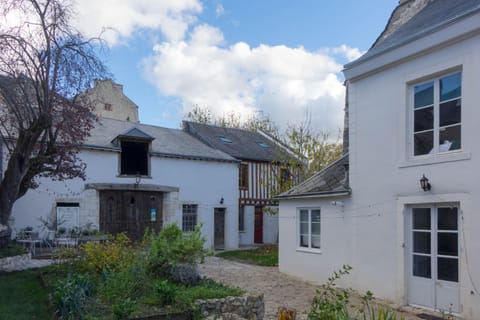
(424, 184)
(221, 200)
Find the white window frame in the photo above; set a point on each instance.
(309, 247)
(436, 118)
(189, 210)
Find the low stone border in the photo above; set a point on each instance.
(246, 307)
(22, 262)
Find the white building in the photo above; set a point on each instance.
(140, 176)
(412, 113)
(265, 165)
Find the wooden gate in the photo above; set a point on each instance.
(131, 212)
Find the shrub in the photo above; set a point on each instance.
(165, 291)
(185, 274)
(332, 303)
(70, 295)
(109, 256)
(171, 247)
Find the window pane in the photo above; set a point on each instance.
(316, 242)
(315, 228)
(421, 218)
(423, 143)
(421, 242)
(447, 269)
(315, 216)
(450, 112)
(423, 119)
(421, 266)
(304, 227)
(451, 87)
(423, 95)
(304, 241)
(447, 244)
(450, 138)
(447, 219)
(304, 216)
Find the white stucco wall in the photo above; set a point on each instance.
(385, 182)
(199, 182)
(270, 227)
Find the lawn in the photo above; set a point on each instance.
(263, 256)
(22, 296)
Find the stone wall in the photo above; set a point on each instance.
(246, 307)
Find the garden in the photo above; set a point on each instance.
(120, 279)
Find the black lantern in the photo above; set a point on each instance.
(424, 184)
(221, 201)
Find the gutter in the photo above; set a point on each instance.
(328, 194)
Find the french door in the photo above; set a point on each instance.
(432, 258)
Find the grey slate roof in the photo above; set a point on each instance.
(166, 142)
(331, 181)
(437, 14)
(244, 145)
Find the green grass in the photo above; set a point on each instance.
(264, 256)
(12, 250)
(22, 296)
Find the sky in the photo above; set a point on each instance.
(279, 58)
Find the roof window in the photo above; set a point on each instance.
(263, 144)
(224, 139)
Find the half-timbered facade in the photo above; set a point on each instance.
(265, 166)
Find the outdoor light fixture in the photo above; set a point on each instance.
(424, 184)
(221, 200)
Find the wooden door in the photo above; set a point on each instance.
(219, 225)
(258, 227)
(131, 212)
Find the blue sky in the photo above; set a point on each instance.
(279, 57)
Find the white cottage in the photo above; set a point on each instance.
(140, 176)
(399, 207)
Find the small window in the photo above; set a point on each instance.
(309, 228)
(134, 158)
(241, 219)
(189, 217)
(107, 107)
(285, 176)
(263, 145)
(243, 178)
(224, 139)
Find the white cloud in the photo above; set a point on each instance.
(348, 52)
(281, 81)
(219, 10)
(123, 17)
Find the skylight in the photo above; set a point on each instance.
(263, 145)
(224, 139)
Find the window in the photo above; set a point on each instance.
(107, 107)
(189, 217)
(241, 219)
(309, 228)
(263, 145)
(285, 176)
(437, 110)
(224, 139)
(134, 158)
(243, 176)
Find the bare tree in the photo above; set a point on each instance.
(44, 64)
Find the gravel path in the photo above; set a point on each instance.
(279, 289)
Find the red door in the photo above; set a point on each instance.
(258, 234)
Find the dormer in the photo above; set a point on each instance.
(134, 157)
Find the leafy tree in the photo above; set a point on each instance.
(44, 64)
